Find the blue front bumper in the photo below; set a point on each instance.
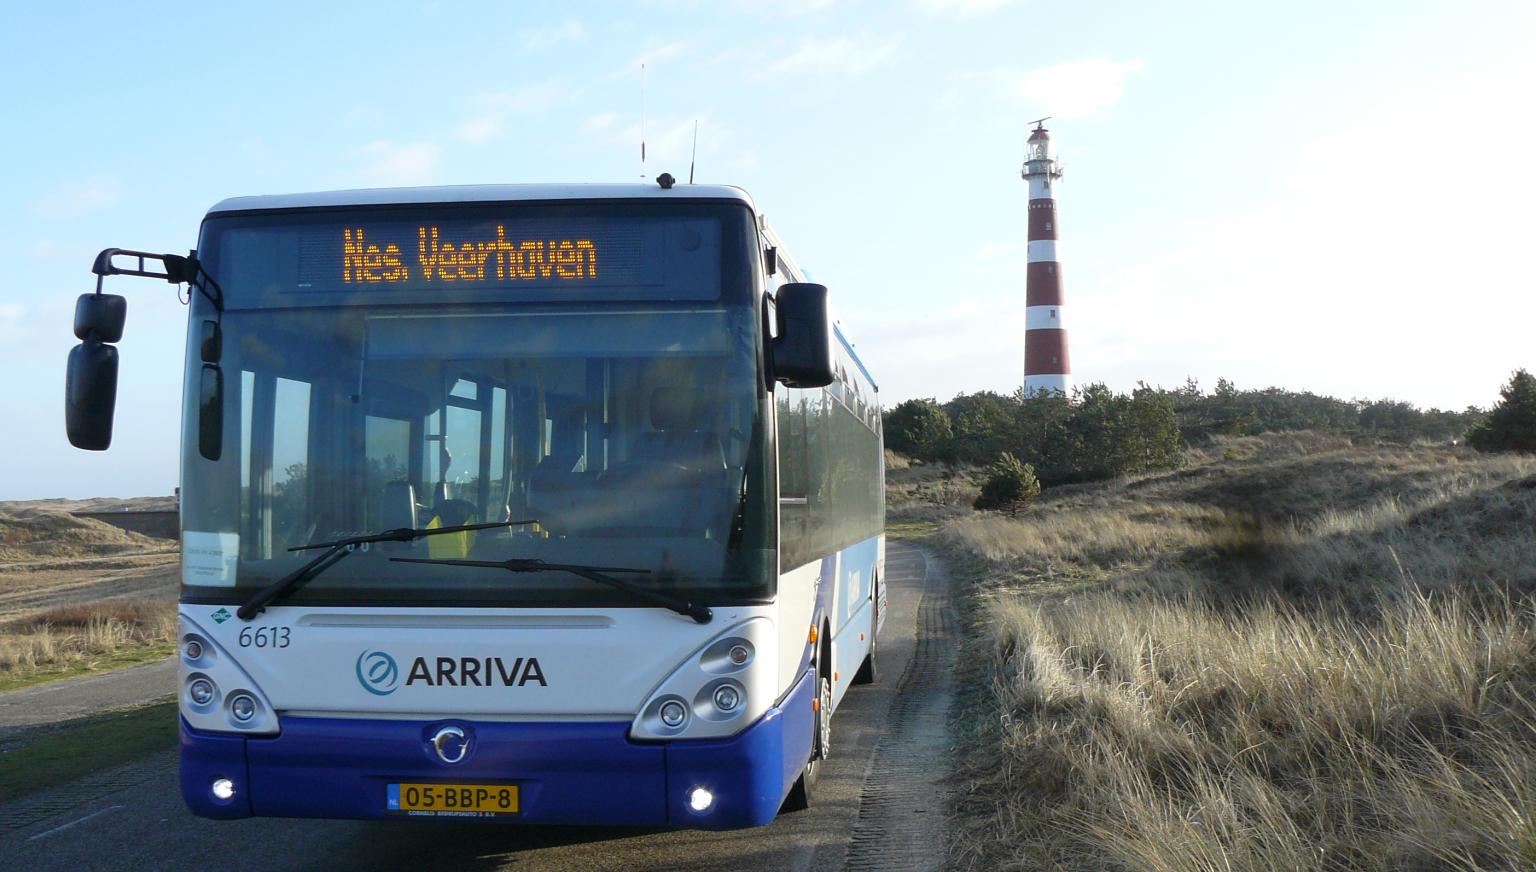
(566, 773)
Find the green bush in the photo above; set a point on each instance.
(1511, 425)
(1010, 484)
(920, 429)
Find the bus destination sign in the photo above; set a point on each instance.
(366, 259)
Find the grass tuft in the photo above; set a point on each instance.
(1293, 653)
(82, 637)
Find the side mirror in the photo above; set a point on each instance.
(90, 395)
(100, 317)
(802, 352)
(90, 383)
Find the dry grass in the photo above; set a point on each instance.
(29, 535)
(1291, 654)
(926, 494)
(73, 636)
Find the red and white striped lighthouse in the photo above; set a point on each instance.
(1046, 366)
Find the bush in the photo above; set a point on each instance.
(1511, 425)
(1010, 484)
(920, 429)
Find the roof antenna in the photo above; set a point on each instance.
(695, 153)
(642, 121)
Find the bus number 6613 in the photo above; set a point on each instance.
(264, 637)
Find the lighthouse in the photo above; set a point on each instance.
(1046, 366)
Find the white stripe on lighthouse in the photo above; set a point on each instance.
(1054, 383)
(1043, 317)
(1042, 250)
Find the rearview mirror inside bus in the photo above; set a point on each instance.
(802, 352)
(90, 395)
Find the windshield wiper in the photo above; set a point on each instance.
(336, 550)
(599, 574)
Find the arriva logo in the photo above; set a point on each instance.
(377, 672)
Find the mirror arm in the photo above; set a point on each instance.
(175, 268)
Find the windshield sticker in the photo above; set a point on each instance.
(208, 559)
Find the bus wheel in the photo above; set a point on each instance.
(802, 795)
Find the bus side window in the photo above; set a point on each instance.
(794, 504)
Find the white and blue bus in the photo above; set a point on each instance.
(545, 504)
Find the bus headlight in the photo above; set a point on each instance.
(218, 695)
(673, 713)
(726, 684)
(243, 706)
(201, 691)
(727, 698)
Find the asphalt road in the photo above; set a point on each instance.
(62, 700)
(880, 801)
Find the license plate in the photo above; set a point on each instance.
(451, 800)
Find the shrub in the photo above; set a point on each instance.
(920, 429)
(1010, 484)
(1511, 425)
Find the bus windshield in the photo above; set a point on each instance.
(629, 432)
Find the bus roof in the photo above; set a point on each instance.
(479, 194)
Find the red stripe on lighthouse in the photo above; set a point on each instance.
(1042, 284)
(1042, 220)
(1045, 352)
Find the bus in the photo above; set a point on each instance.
(541, 504)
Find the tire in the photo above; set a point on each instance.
(803, 795)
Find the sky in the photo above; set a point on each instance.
(1325, 196)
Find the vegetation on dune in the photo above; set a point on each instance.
(1009, 485)
(1290, 652)
(31, 534)
(84, 637)
(1103, 434)
(1099, 435)
(1511, 425)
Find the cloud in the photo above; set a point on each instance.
(1346, 280)
(669, 143)
(541, 38)
(979, 337)
(79, 197)
(650, 56)
(492, 111)
(1074, 89)
(659, 53)
(839, 55)
(600, 121)
(959, 8)
(389, 164)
